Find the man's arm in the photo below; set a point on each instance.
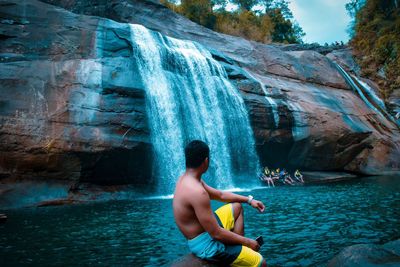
(202, 208)
(227, 197)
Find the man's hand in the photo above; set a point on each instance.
(253, 244)
(258, 205)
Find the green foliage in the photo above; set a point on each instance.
(376, 41)
(284, 30)
(245, 4)
(354, 6)
(245, 24)
(199, 11)
(271, 25)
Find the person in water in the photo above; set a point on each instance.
(266, 177)
(215, 236)
(274, 176)
(285, 177)
(267, 172)
(298, 176)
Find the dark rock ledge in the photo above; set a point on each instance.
(368, 255)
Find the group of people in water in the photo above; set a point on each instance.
(282, 176)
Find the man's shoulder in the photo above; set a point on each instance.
(194, 193)
(191, 189)
(196, 190)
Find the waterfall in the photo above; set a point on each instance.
(375, 99)
(366, 94)
(300, 128)
(272, 103)
(190, 97)
(371, 93)
(274, 108)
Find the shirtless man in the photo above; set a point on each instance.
(212, 236)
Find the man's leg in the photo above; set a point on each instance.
(239, 218)
(232, 218)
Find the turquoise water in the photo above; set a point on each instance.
(305, 225)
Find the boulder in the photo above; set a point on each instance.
(368, 255)
(192, 261)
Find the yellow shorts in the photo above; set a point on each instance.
(242, 255)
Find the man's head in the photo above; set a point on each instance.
(197, 155)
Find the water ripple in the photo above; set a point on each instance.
(303, 226)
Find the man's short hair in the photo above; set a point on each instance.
(195, 153)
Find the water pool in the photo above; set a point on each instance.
(305, 225)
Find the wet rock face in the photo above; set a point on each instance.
(344, 58)
(394, 104)
(71, 103)
(260, 58)
(73, 107)
(305, 116)
(316, 127)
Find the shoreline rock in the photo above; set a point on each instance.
(28, 193)
(368, 255)
(59, 202)
(327, 177)
(192, 261)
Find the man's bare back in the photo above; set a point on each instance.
(187, 190)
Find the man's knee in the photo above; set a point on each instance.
(237, 209)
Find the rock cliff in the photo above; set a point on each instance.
(72, 107)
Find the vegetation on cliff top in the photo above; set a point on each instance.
(376, 41)
(263, 21)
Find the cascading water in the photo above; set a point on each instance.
(370, 92)
(300, 128)
(274, 108)
(366, 94)
(189, 97)
(272, 103)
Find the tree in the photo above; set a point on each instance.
(352, 8)
(284, 30)
(283, 5)
(199, 11)
(376, 41)
(274, 23)
(246, 4)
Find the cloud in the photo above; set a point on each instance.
(322, 20)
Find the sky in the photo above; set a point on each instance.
(322, 20)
